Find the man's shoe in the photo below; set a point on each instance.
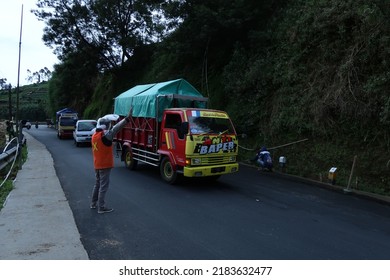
(93, 206)
(105, 210)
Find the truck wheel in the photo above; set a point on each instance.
(167, 172)
(130, 162)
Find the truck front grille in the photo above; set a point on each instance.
(216, 160)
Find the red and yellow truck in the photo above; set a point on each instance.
(172, 129)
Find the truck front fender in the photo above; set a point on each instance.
(170, 156)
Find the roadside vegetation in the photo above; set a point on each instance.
(283, 70)
(4, 191)
(33, 103)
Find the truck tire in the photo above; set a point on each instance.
(130, 162)
(166, 171)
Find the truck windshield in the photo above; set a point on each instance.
(67, 121)
(202, 125)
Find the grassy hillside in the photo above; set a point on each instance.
(33, 103)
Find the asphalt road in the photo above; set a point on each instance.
(248, 215)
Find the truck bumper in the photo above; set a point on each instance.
(65, 133)
(202, 171)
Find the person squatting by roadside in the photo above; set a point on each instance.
(103, 158)
(263, 159)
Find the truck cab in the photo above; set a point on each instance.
(197, 143)
(66, 125)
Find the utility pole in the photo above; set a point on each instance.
(19, 126)
(17, 88)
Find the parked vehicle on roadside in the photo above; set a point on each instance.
(83, 131)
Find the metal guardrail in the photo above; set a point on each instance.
(9, 155)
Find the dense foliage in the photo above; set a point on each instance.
(33, 102)
(284, 70)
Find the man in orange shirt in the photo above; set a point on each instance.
(103, 159)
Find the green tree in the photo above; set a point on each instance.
(109, 28)
(73, 81)
(3, 83)
(39, 76)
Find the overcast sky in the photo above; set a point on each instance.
(34, 54)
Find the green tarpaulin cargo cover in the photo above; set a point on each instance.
(151, 99)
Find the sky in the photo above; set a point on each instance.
(34, 54)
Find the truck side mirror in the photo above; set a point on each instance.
(183, 129)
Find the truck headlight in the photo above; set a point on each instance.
(232, 158)
(196, 161)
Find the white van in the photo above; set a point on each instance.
(83, 131)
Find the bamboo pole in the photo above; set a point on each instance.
(273, 148)
(350, 175)
(288, 144)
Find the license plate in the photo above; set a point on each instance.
(217, 169)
